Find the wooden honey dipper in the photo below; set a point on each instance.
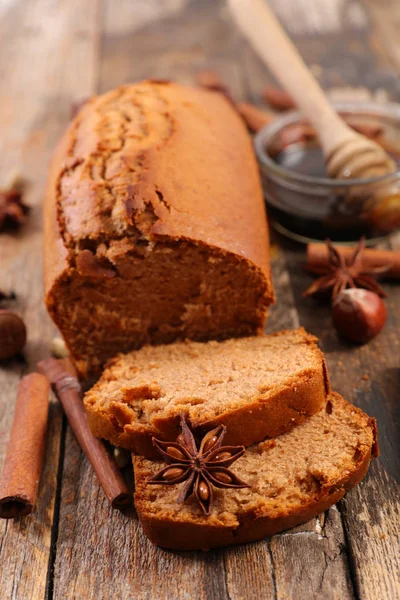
(348, 154)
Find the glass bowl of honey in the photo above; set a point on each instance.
(304, 203)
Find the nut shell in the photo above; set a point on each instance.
(12, 334)
(358, 315)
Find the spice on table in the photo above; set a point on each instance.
(121, 456)
(200, 469)
(12, 334)
(6, 297)
(295, 134)
(62, 377)
(358, 315)
(23, 464)
(254, 117)
(13, 211)
(278, 98)
(318, 259)
(211, 80)
(370, 130)
(58, 348)
(340, 272)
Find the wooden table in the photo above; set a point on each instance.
(54, 52)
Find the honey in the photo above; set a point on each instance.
(305, 204)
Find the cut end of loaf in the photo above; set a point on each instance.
(293, 478)
(154, 294)
(257, 386)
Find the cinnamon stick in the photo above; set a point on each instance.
(209, 78)
(370, 130)
(23, 464)
(254, 117)
(62, 377)
(317, 257)
(212, 80)
(295, 134)
(277, 98)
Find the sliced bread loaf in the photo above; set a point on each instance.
(259, 386)
(292, 479)
(154, 215)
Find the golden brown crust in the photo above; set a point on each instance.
(159, 160)
(55, 254)
(188, 532)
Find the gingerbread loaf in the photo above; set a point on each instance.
(291, 479)
(155, 226)
(258, 386)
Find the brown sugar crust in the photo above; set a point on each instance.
(258, 387)
(155, 225)
(292, 480)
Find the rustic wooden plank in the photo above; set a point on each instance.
(90, 534)
(385, 20)
(322, 569)
(168, 39)
(336, 41)
(368, 376)
(221, 573)
(310, 560)
(102, 553)
(299, 570)
(351, 52)
(39, 41)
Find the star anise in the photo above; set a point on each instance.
(340, 274)
(200, 469)
(12, 210)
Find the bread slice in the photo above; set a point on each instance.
(259, 386)
(293, 478)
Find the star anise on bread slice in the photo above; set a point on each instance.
(199, 469)
(340, 274)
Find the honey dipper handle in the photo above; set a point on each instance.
(263, 30)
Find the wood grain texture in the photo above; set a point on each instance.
(138, 567)
(40, 42)
(257, 570)
(57, 51)
(385, 21)
(311, 560)
(356, 55)
(368, 375)
(299, 554)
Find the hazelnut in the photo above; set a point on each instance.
(358, 315)
(12, 334)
